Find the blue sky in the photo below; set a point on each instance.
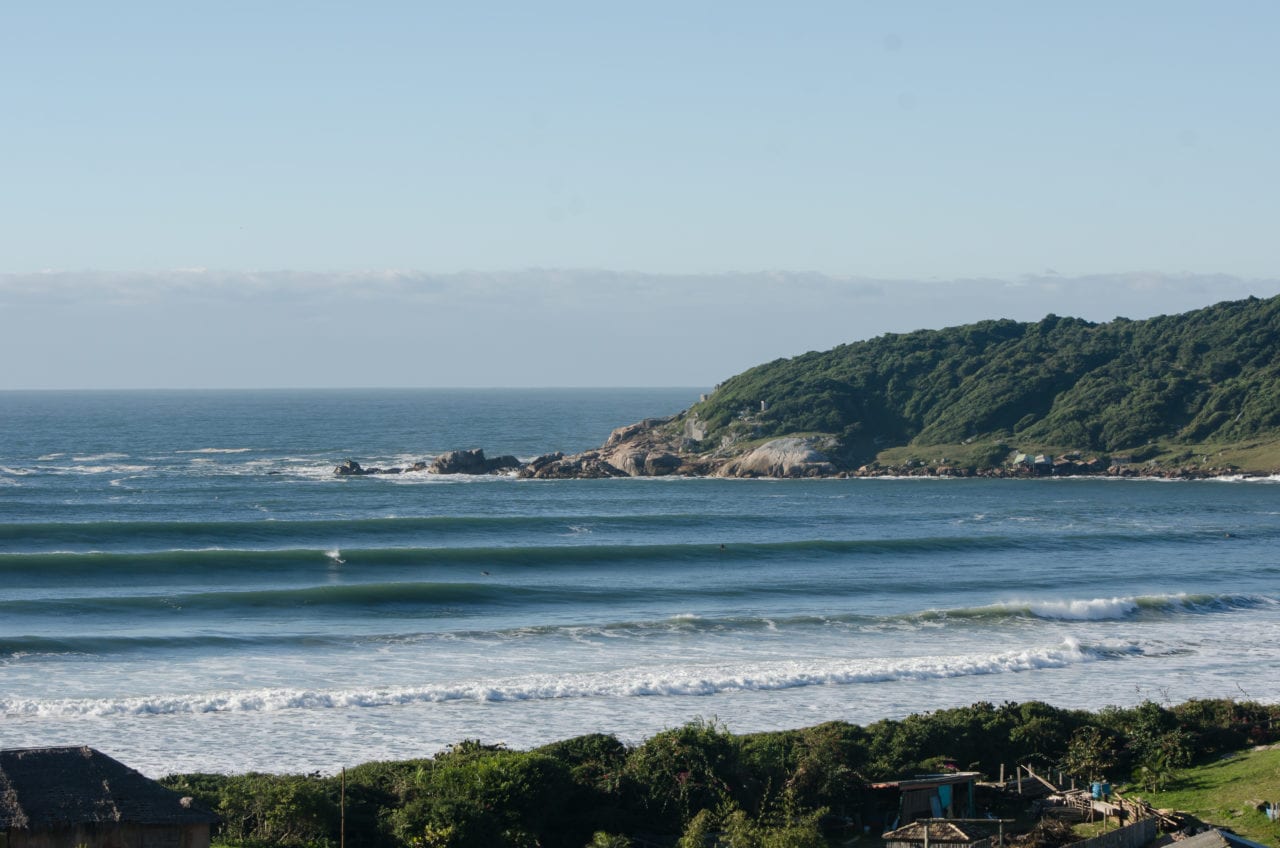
(685, 149)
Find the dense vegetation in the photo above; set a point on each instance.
(682, 785)
(1208, 375)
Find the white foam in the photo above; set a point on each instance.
(1097, 609)
(49, 457)
(103, 469)
(100, 457)
(215, 450)
(635, 682)
(1241, 478)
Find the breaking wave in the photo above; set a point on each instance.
(698, 681)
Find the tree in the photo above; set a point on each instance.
(1091, 753)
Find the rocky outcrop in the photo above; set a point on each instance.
(651, 448)
(557, 466)
(351, 468)
(450, 462)
(792, 456)
(471, 462)
(657, 447)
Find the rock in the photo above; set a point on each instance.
(557, 466)
(694, 429)
(630, 461)
(661, 464)
(458, 462)
(506, 462)
(351, 468)
(786, 457)
(471, 462)
(538, 463)
(631, 431)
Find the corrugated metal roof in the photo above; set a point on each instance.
(44, 788)
(925, 781)
(1214, 838)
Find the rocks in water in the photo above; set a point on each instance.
(451, 462)
(557, 466)
(471, 462)
(351, 468)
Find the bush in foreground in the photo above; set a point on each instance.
(699, 783)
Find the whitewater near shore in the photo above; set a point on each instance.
(188, 587)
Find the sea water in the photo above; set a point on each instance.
(185, 584)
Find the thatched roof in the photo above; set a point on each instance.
(43, 788)
(941, 831)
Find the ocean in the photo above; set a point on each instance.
(185, 585)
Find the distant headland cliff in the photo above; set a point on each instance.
(1189, 395)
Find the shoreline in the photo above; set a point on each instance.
(670, 447)
(592, 468)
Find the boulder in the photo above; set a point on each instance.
(631, 432)
(791, 456)
(506, 462)
(351, 468)
(471, 462)
(661, 464)
(458, 462)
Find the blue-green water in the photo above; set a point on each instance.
(185, 584)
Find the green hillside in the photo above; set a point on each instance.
(1208, 376)
(1228, 792)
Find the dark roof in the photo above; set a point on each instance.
(929, 781)
(42, 788)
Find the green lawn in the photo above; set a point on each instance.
(1226, 793)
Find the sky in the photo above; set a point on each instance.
(521, 194)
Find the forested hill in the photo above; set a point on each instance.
(1212, 375)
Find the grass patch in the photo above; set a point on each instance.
(1227, 792)
(973, 455)
(1254, 455)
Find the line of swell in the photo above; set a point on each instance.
(258, 558)
(155, 536)
(1098, 609)
(695, 681)
(1105, 609)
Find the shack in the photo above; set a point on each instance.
(77, 797)
(926, 796)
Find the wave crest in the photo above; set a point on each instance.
(628, 683)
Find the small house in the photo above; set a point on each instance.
(928, 796)
(77, 797)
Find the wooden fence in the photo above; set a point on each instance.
(1130, 836)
